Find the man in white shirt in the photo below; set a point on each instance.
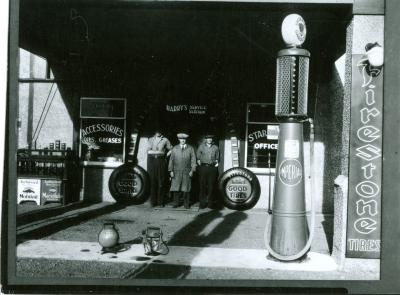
(158, 148)
(207, 159)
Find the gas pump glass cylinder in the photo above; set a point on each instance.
(292, 83)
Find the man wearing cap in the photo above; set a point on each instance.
(182, 164)
(207, 158)
(158, 146)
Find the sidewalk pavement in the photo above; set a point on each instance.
(205, 244)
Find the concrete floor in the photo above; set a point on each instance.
(205, 244)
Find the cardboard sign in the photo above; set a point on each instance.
(28, 190)
(365, 174)
(51, 191)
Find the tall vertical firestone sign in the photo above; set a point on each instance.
(365, 174)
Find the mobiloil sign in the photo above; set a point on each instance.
(51, 191)
(28, 190)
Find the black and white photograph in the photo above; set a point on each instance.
(201, 144)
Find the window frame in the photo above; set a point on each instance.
(260, 171)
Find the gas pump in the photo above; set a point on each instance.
(287, 236)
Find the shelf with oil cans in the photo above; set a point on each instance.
(46, 176)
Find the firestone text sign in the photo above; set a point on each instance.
(364, 202)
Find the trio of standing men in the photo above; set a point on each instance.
(181, 166)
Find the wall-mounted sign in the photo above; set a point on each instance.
(185, 108)
(92, 107)
(102, 132)
(262, 145)
(365, 174)
(28, 190)
(51, 191)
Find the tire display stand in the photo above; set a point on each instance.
(130, 183)
(239, 187)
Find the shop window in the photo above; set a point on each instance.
(33, 68)
(102, 132)
(262, 130)
(43, 116)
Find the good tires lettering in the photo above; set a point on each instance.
(237, 189)
(240, 188)
(129, 183)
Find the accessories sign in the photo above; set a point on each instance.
(102, 132)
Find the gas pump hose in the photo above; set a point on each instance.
(267, 231)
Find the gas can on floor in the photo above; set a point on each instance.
(108, 236)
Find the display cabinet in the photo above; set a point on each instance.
(47, 176)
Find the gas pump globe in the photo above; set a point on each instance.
(289, 235)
